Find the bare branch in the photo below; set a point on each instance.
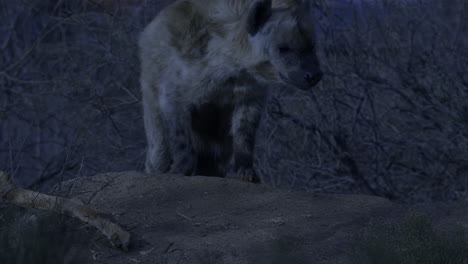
(118, 237)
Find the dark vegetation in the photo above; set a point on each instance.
(414, 241)
(390, 117)
(27, 238)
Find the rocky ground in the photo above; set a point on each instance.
(175, 219)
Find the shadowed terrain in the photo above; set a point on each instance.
(177, 219)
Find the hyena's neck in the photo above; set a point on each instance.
(226, 20)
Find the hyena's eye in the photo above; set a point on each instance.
(284, 49)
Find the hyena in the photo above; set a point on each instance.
(206, 66)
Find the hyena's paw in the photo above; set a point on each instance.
(155, 166)
(185, 166)
(247, 174)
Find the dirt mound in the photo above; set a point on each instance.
(175, 219)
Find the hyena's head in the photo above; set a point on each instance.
(285, 37)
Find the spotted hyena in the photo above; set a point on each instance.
(206, 66)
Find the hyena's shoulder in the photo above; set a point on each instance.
(180, 27)
(188, 27)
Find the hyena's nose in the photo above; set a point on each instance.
(313, 78)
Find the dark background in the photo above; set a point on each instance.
(390, 117)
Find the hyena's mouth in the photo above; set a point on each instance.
(294, 83)
(302, 81)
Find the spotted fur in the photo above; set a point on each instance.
(206, 66)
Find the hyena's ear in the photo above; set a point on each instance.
(305, 16)
(258, 15)
(305, 9)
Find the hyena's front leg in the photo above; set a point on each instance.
(158, 158)
(183, 154)
(245, 120)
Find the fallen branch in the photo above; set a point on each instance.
(118, 237)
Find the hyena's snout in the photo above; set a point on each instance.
(310, 72)
(306, 79)
(313, 78)
(307, 74)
